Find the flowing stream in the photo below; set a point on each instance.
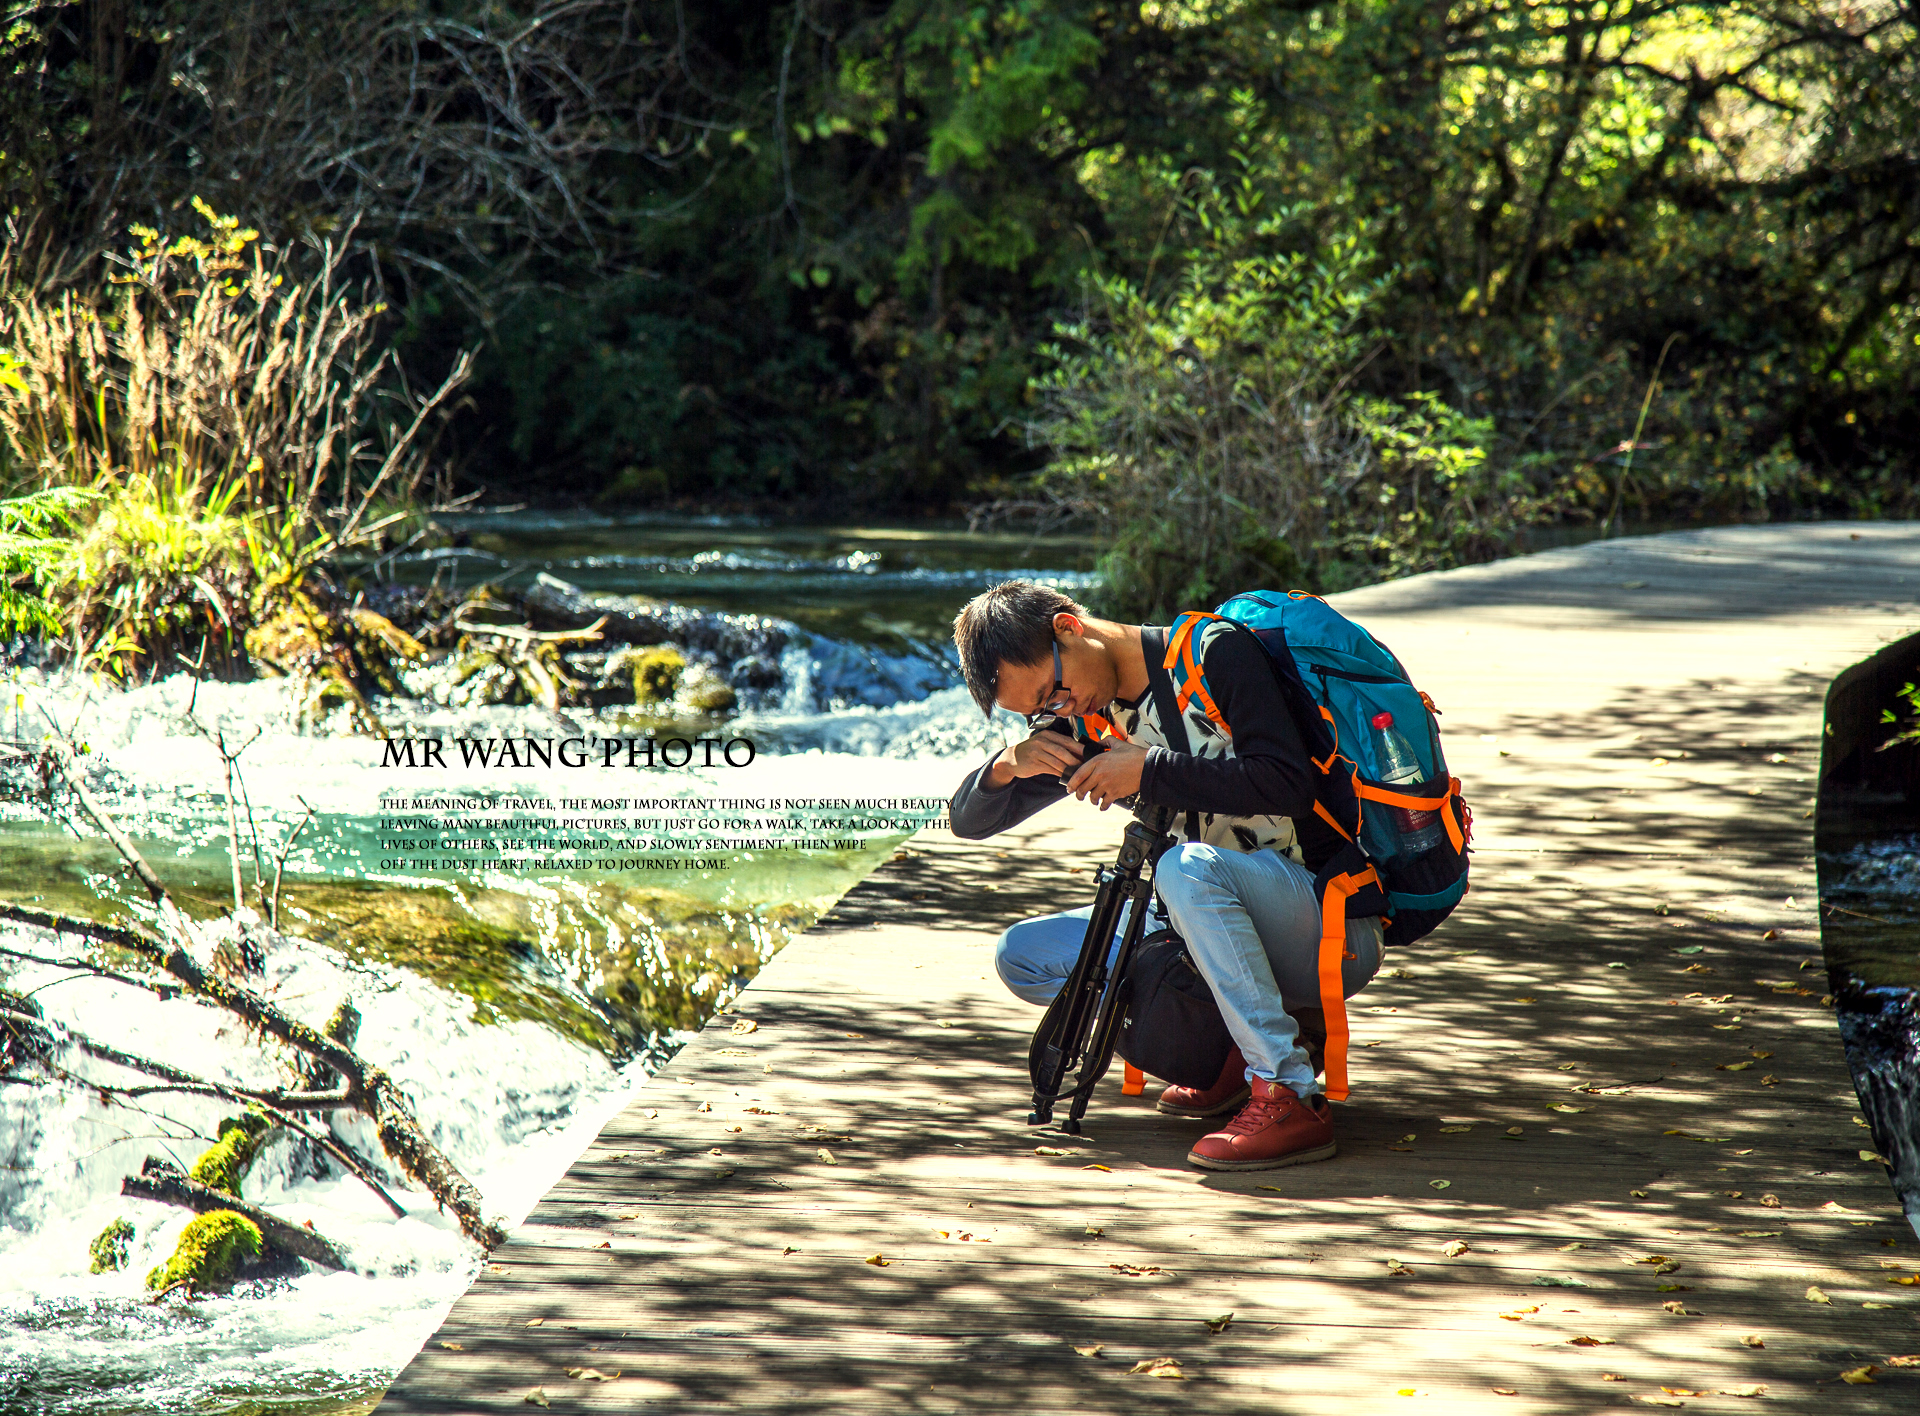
(519, 1007)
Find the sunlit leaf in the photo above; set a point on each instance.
(536, 1397)
(1440, 1184)
(1814, 1295)
(1859, 1376)
(1093, 1351)
(1753, 1339)
(590, 1374)
(879, 1261)
(1456, 1248)
(1158, 1367)
(1584, 1341)
(1218, 1324)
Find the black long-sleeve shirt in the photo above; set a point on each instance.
(1265, 773)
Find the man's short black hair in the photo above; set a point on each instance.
(1009, 624)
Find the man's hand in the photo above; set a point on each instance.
(1044, 754)
(1114, 774)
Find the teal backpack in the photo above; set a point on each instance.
(1381, 780)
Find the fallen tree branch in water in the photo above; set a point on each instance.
(372, 1091)
(169, 1186)
(180, 1081)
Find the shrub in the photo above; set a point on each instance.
(220, 411)
(1216, 431)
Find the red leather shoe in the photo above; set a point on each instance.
(1223, 1096)
(1275, 1128)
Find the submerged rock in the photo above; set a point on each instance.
(744, 649)
(211, 1254)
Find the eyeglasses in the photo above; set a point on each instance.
(1057, 698)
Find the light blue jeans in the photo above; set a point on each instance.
(1252, 926)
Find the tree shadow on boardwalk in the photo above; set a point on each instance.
(1600, 1075)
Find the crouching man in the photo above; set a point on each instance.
(1239, 889)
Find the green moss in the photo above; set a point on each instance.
(110, 1249)
(656, 672)
(223, 1166)
(211, 1252)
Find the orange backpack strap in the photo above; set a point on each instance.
(1333, 948)
(1449, 813)
(1183, 667)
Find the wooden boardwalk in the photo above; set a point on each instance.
(1611, 1076)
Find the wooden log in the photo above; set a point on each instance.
(170, 1187)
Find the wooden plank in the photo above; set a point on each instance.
(1636, 929)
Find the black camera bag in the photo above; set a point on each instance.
(1172, 1028)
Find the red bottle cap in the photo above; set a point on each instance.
(1383, 720)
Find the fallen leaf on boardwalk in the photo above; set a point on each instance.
(1585, 1341)
(1689, 1136)
(1109, 1170)
(1611, 1377)
(1859, 1376)
(760, 1111)
(604, 1244)
(1050, 1150)
(653, 1116)
(1569, 1066)
(536, 1397)
(1505, 1391)
(704, 1106)
(1638, 1194)
(1909, 1279)
(789, 1249)
(1519, 1314)
(1095, 1230)
(1751, 1389)
(1516, 1130)
(1569, 1248)
(716, 1151)
(1135, 1270)
(536, 1322)
(1411, 1136)
(1910, 1360)
(1835, 1207)
(1218, 1324)
(1673, 1288)
(735, 1052)
(1455, 1130)
(735, 1130)
(1654, 1259)
(942, 1234)
(1875, 1156)
(1686, 1391)
(1561, 1282)
(1814, 1295)
(1093, 1351)
(943, 1022)
(1456, 1248)
(1275, 1188)
(1758, 1053)
(1679, 1309)
(1398, 1269)
(1562, 1106)
(1733, 1194)
(825, 1156)
(1877, 1305)
(880, 1261)
(1769, 1080)
(1772, 1202)
(590, 1374)
(454, 1346)
(743, 1026)
(1157, 1367)
(1440, 1184)
(1753, 1339)
(1734, 1066)
(632, 1214)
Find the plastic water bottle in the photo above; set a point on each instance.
(1419, 830)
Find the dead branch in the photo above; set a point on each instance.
(523, 635)
(374, 1094)
(180, 1081)
(170, 1187)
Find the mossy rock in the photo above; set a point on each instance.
(210, 1255)
(704, 691)
(224, 1165)
(109, 1251)
(655, 673)
(344, 656)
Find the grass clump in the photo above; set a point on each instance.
(207, 429)
(212, 1251)
(109, 1249)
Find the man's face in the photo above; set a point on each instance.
(1083, 683)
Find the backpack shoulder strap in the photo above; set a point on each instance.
(1182, 663)
(1173, 726)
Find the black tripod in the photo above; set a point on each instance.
(1081, 1025)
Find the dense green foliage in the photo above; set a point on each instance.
(813, 250)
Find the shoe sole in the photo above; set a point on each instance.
(1232, 1103)
(1325, 1152)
